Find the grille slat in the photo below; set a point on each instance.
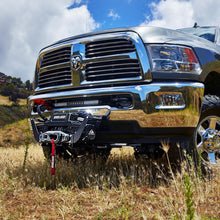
(115, 70)
(114, 75)
(128, 65)
(54, 62)
(106, 43)
(57, 53)
(108, 52)
(48, 74)
(55, 76)
(109, 47)
(55, 82)
(57, 57)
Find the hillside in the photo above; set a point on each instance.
(15, 134)
(9, 112)
(13, 113)
(13, 122)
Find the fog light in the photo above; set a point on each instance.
(171, 101)
(122, 102)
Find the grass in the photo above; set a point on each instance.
(10, 113)
(14, 135)
(4, 100)
(123, 188)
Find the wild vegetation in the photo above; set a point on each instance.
(14, 88)
(13, 94)
(14, 135)
(10, 114)
(123, 188)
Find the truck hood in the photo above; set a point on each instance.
(153, 35)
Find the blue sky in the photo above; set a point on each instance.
(118, 13)
(29, 25)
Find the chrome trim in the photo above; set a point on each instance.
(78, 48)
(145, 100)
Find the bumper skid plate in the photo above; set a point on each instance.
(68, 128)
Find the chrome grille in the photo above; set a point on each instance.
(116, 69)
(108, 47)
(58, 56)
(55, 77)
(104, 60)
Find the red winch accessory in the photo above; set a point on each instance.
(53, 158)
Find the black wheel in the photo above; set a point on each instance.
(207, 134)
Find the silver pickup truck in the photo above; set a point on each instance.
(138, 87)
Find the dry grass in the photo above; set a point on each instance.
(14, 135)
(4, 100)
(121, 189)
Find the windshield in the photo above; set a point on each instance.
(205, 32)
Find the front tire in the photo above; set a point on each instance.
(207, 134)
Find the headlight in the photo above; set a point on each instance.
(173, 58)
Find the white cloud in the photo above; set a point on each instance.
(184, 13)
(78, 1)
(112, 14)
(206, 12)
(28, 25)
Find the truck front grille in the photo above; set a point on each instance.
(116, 69)
(108, 47)
(102, 60)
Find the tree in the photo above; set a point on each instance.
(28, 85)
(14, 96)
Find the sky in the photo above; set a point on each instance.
(26, 26)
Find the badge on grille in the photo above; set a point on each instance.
(76, 62)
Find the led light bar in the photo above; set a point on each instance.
(77, 103)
